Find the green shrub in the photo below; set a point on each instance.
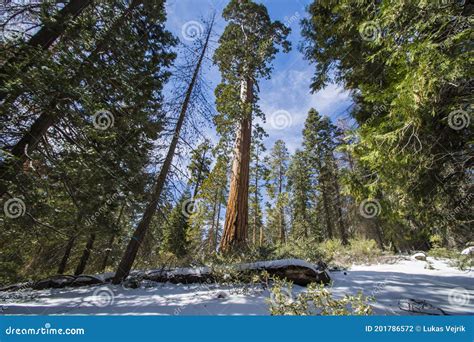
(331, 249)
(358, 250)
(300, 249)
(464, 262)
(436, 241)
(442, 252)
(315, 301)
(364, 248)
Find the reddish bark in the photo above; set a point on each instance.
(236, 219)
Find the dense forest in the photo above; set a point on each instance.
(109, 161)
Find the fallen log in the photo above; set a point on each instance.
(298, 271)
(55, 282)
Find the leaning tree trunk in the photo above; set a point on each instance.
(67, 253)
(199, 178)
(43, 39)
(30, 140)
(236, 218)
(132, 248)
(112, 239)
(85, 255)
(218, 218)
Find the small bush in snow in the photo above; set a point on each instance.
(315, 301)
(357, 251)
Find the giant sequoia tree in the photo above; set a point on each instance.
(246, 49)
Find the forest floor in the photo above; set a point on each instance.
(404, 284)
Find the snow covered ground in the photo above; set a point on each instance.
(392, 285)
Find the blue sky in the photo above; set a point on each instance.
(286, 97)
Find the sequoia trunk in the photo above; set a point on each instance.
(236, 218)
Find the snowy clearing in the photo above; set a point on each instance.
(443, 287)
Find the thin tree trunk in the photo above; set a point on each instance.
(139, 233)
(72, 239)
(107, 252)
(85, 255)
(43, 39)
(255, 219)
(112, 239)
(198, 178)
(213, 225)
(218, 220)
(281, 213)
(236, 219)
(327, 213)
(282, 227)
(67, 253)
(341, 223)
(30, 140)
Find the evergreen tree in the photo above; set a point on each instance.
(175, 229)
(276, 182)
(299, 177)
(413, 142)
(199, 165)
(257, 172)
(246, 49)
